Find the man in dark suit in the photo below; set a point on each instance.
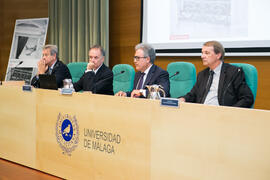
(147, 73)
(220, 83)
(97, 78)
(50, 64)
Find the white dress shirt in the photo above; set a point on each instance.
(212, 96)
(143, 91)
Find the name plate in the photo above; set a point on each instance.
(172, 102)
(27, 88)
(66, 91)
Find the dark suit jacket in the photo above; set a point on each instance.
(232, 88)
(156, 75)
(61, 72)
(99, 83)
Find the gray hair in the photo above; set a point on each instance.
(53, 49)
(148, 50)
(218, 48)
(100, 48)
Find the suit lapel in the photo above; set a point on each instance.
(150, 75)
(100, 71)
(136, 79)
(204, 83)
(221, 80)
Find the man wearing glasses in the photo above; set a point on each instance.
(97, 78)
(147, 73)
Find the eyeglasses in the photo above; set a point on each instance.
(137, 58)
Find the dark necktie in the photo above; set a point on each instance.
(140, 83)
(208, 85)
(49, 71)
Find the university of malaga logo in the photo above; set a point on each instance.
(67, 133)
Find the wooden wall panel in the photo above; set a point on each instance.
(124, 30)
(125, 34)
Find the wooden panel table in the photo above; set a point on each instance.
(88, 136)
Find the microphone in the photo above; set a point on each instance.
(229, 84)
(176, 73)
(101, 81)
(13, 68)
(117, 74)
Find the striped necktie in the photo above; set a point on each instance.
(50, 71)
(140, 83)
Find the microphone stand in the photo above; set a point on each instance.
(176, 73)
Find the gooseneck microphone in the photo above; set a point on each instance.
(116, 74)
(101, 81)
(229, 84)
(176, 73)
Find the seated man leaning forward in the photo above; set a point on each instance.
(98, 78)
(220, 83)
(50, 64)
(147, 73)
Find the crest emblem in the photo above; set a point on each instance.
(67, 133)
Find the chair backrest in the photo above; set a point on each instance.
(76, 70)
(123, 77)
(251, 76)
(183, 82)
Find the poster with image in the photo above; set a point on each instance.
(28, 39)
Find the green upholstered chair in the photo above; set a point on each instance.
(251, 76)
(183, 82)
(76, 70)
(123, 77)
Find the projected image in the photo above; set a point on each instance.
(208, 18)
(28, 39)
(180, 27)
(27, 48)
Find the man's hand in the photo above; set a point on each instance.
(182, 99)
(136, 93)
(42, 67)
(90, 66)
(121, 93)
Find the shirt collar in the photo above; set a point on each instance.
(97, 69)
(53, 65)
(218, 68)
(147, 70)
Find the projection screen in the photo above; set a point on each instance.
(180, 27)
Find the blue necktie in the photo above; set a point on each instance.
(50, 71)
